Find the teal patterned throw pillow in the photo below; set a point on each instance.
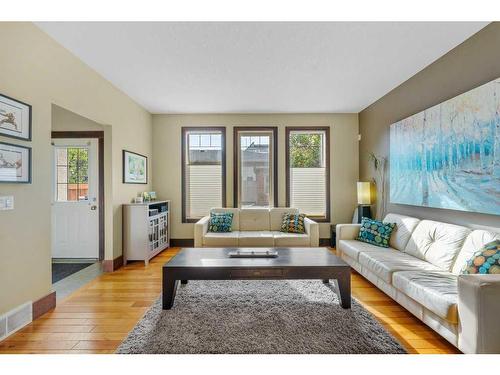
(375, 232)
(220, 222)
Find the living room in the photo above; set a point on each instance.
(328, 187)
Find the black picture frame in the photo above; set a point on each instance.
(124, 180)
(29, 138)
(29, 180)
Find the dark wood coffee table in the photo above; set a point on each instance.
(291, 263)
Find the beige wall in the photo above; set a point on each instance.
(37, 70)
(474, 62)
(343, 152)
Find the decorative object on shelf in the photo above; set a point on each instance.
(146, 196)
(448, 156)
(15, 163)
(15, 118)
(146, 230)
(364, 201)
(379, 164)
(139, 199)
(135, 168)
(375, 232)
(152, 195)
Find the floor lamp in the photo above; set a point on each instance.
(364, 200)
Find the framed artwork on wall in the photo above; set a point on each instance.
(135, 168)
(15, 163)
(15, 118)
(448, 156)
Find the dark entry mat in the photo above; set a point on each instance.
(63, 270)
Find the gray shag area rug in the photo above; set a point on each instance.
(278, 316)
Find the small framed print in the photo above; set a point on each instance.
(15, 118)
(135, 168)
(15, 163)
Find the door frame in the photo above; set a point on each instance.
(99, 135)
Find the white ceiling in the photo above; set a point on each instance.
(258, 67)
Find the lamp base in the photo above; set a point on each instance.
(364, 211)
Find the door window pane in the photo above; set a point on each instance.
(72, 174)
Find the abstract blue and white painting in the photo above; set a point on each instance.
(448, 156)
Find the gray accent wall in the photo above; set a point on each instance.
(471, 64)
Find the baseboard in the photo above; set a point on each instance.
(43, 305)
(182, 242)
(112, 265)
(189, 242)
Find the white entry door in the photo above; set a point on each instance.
(75, 212)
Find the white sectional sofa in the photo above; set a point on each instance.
(255, 227)
(421, 271)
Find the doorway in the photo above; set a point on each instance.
(77, 213)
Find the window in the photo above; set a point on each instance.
(72, 164)
(203, 171)
(255, 167)
(308, 181)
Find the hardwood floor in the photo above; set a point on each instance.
(97, 317)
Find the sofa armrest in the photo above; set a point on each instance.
(478, 311)
(200, 229)
(312, 229)
(345, 232)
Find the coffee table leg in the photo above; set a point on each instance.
(169, 289)
(184, 281)
(344, 290)
(326, 281)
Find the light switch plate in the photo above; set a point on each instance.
(7, 203)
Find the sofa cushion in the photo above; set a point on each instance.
(436, 290)
(276, 216)
(256, 239)
(385, 263)
(474, 241)
(405, 225)
(227, 239)
(353, 248)
(291, 239)
(437, 243)
(234, 211)
(257, 219)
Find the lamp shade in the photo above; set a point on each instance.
(364, 193)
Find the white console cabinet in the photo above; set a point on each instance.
(146, 230)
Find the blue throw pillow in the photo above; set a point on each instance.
(375, 232)
(484, 261)
(220, 222)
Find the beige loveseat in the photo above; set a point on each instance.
(255, 227)
(421, 271)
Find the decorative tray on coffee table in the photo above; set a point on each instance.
(247, 253)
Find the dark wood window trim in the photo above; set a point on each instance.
(184, 130)
(236, 155)
(100, 140)
(326, 129)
